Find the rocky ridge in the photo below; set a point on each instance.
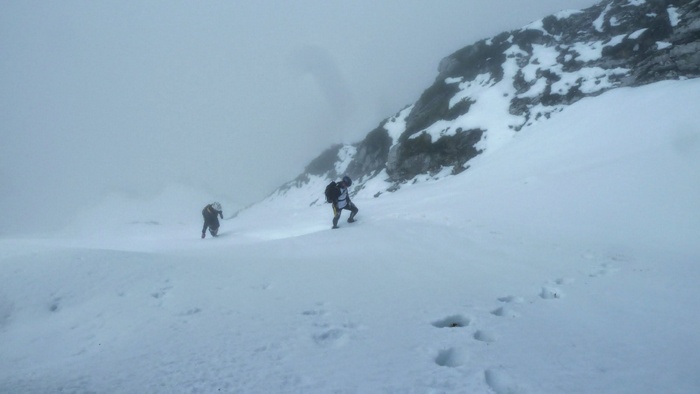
(496, 87)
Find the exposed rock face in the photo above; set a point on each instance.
(423, 155)
(486, 92)
(372, 154)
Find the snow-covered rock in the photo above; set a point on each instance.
(487, 92)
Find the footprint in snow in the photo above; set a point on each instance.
(311, 312)
(512, 299)
(452, 357)
(319, 310)
(328, 335)
(191, 312)
(55, 304)
(333, 337)
(619, 257)
(485, 336)
(454, 321)
(505, 311)
(162, 291)
(551, 293)
(604, 270)
(501, 382)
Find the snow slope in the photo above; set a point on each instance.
(566, 261)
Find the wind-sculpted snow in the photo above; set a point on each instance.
(488, 92)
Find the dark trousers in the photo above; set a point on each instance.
(213, 224)
(336, 212)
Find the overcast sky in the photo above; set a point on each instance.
(230, 97)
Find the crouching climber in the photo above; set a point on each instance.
(342, 201)
(211, 214)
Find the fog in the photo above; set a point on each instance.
(229, 97)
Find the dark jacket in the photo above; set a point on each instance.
(211, 217)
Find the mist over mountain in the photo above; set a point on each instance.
(487, 92)
(529, 225)
(230, 99)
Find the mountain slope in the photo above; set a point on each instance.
(557, 264)
(487, 92)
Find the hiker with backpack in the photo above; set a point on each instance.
(211, 214)
(338, 195)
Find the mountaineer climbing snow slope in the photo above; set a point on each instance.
(566, 262)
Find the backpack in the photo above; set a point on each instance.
(332, 192)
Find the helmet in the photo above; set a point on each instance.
(216, 206)
(347, 181)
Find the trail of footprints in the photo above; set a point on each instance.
(497, 378)
(327, 334)
(507, 308)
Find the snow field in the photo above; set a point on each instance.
(566, 261)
